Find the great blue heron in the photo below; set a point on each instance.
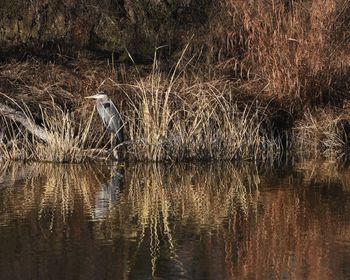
(110, 116)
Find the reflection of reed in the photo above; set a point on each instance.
(325, 173)
(47, 209)
(205, 196)
(292, 239)
(62, 188)
(52, 189)
(285, 232)
(156, 200)
(224, 221)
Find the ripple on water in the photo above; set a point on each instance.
(185, 222)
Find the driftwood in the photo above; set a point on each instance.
(20, 117)
(44, 135)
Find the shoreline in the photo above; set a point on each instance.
(184, 114)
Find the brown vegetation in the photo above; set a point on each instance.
(167, 117)
(262, 73)
(294, 49)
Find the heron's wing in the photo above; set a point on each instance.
(111, 116)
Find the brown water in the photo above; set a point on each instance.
(174, 222)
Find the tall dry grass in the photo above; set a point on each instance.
(67, 139)
(181, 116)
(265, 57)
(287, 49)
(323, 133)
(172, 116)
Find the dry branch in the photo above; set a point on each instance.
(21, 118)
(46, 136)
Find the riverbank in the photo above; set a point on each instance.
(271, 79)
(182, 114)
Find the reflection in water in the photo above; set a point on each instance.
(108, 195)
(173, 222)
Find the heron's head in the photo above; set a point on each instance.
(99, 96)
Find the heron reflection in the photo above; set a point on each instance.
(109, 193)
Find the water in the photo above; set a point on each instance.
(213, 221)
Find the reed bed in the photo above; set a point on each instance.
(295, 50)
(170, 117)
(66, 139)
(236, 92)
(180, 117)
(323, 133)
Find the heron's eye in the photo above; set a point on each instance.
(107, 105)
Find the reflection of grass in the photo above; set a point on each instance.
(175, 211)
(325, 173)
(148, 208)
(203, 196)
(55, 191)
(63, 188)
(156, 200)
(224, 201)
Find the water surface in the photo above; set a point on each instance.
(213, 221)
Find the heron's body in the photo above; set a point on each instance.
(109, 115)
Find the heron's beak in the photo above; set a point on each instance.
(92, 96)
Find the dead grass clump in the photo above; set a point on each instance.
(324, 133)
(177, 117)
(62, 138)
(66, 139)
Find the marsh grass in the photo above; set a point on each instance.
(216, 98)
(66, 139)
(323, 133)
(169, 116)
(182, 117)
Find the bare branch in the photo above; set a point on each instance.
(21, 118)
